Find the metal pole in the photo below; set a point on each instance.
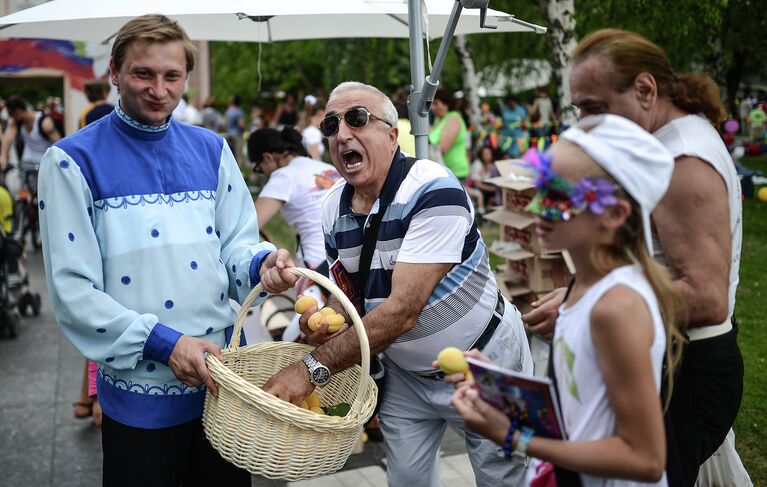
(419, 122)
(432, 81)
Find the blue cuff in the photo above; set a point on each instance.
(254, 272)
(159, 345)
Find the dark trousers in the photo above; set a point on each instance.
(704, 403)
(167, 457)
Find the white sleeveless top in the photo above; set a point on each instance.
(586, 409)
(694, 136)
(35, 144)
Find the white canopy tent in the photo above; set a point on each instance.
(262, 21)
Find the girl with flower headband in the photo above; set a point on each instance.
(595, 191)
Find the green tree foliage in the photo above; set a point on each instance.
(721, 36)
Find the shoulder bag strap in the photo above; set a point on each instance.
(370, 235)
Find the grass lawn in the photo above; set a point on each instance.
(750, 312)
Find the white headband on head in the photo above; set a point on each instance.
(631, 155)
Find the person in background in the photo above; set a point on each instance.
(147, 227)
(99, 90)
(211, 118)
(542, 116)
(757, 122)
(309, 127)
(256, 118)
(405, 138)
(186, 112)
(234, 118)
(744, 108)
(514, 125)
(481, 169)
(295, 186)
(286, 113)
(449, 133)
(38, 130)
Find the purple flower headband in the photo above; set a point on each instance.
(559, 199)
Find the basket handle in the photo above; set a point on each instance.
(348, 307)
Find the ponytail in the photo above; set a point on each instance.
(698, 93)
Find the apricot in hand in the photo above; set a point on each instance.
(304, 303)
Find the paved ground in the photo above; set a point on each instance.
(42, 444)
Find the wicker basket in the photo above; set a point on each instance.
(271, 437)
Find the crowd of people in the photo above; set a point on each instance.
(142, 255)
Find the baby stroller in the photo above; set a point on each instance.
(16, 297)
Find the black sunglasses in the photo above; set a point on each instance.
(356, 117)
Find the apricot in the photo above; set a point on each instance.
(313, 400)
(451, 360)
(335, 322)
(304, 303)
(328, 311)
(316, 319)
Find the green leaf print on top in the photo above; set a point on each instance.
(568, 357)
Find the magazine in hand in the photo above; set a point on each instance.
(531, 400)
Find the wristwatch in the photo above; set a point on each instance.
(318, 373)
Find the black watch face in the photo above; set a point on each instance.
(321, 375)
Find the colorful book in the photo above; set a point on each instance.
(531, 400)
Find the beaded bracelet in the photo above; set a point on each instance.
(507, 447)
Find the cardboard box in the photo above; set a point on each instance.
(539, 273)
(517, 200)
(516, 183)
(519, 228)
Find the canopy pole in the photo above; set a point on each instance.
(422, 92)
(419, 123)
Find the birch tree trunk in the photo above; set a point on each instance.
(469, 78)
(561, 38)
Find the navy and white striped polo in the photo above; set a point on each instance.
(430, 220)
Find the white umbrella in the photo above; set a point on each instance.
(266, 21)
(246, 20)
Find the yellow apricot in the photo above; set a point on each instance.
(304, 404)
(328, 311)
(315, 320)
(313, 400)
(304, 303)
(317, 410)
(335, 322)
(451, 360)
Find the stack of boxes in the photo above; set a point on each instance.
(531, 271)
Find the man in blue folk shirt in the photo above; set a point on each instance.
(148, 229)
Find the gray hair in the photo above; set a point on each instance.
(388, 112)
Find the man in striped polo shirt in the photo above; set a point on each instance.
(428, 286)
